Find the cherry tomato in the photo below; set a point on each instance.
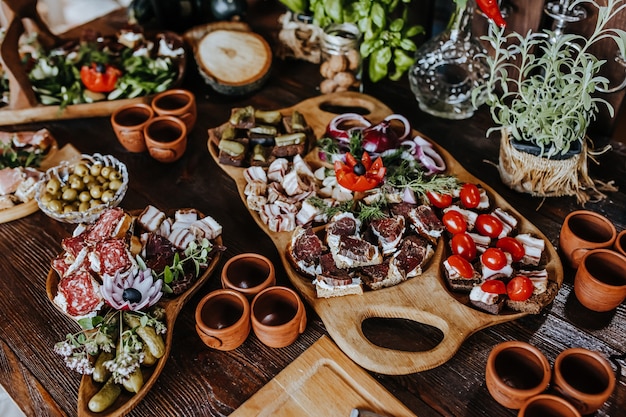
(454, 222)
(493, 286)
(520, 288)
(470, 195)
(513, 246)
(461, 265)
(462, 244)
(439, 200)
(489, 225)
(494, 258)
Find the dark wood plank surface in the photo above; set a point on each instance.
(198, 381)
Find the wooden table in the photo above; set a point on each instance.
(200, 382)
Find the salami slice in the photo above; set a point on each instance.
(79, 294)
(106, 225)
(73, 245)
(111, 256)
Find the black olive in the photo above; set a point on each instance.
(131, 295)
(101, 68)
(359, 169)
(228, 9)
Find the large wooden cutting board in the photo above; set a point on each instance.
(424, 299)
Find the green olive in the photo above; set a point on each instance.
(95, 202)
(76, 183)
(115, 175)
(84, 196)
(68, 208)
(108, 195)
(115, 185)
(96, 191)
(81, 169)
(46, 197)
(89, 179)
(83, 206)
(53, 185)
(105, 171)
(101, 179)
(55, 206)
(95, 169)
(69, 195)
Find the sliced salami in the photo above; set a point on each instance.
(79, 294)
(111, 256)
(106, 225)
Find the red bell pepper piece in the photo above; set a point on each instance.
(492, 10)
(99, 78)
(360, 175)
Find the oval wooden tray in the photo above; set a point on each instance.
(424, 299)
(127, 401)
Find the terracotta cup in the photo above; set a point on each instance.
(547, 405)
(179, 103)
(584, 377)
(166, 138)
(620, 242)
(515, 372)
(223, 319)
(128, 124)
(278, 316)
(600, 282)
(583, 230)
(248, 273)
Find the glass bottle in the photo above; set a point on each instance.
(446, 68)
(340, 65)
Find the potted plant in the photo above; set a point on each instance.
(387, 43)
(541, 95)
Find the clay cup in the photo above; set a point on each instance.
(128, 124)
(278, 316)
(600, 282)
(166, 138)
(178, 103)
(583, 230)
(583, 377)
(248, 273)
(547, 405)
(515, 372)
(620, 242)
(223, 319)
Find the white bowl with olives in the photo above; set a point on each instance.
(78, 192)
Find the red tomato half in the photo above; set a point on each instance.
(461, 265)
(513, 246)
(520, 288)
(439, 200)
(470, 195)
(488, 225)
(493, 286)
(462, 244)
(494, 258)
(454, 222)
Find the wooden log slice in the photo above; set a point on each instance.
(234, 62)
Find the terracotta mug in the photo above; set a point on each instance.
(223, 319)
(515, 372)
(620, 242)
(128, 124)
(248, 273)
(547, 405)
(584, 377)
(600, 282)
(583, 230)
(178, 103)
(278, 316)
(166, 138)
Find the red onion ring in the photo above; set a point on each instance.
(427, 156)
(405, 122)
(334, 130)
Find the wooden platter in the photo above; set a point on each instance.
(55, 157)
(424, 299)
(172, 306)
(302, 388)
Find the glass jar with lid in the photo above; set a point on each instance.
(340, 65)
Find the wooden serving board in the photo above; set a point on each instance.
(424, 299)
(302, 388)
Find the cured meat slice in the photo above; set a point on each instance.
(353, 252)
(413, 254)
(332, 275)
(389, 231)
(74, 244)
(10, 179)
(79, 294)
(110, 257)
(158, 251)
(426, 222)
(106, 225)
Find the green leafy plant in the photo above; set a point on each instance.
(195, 254)
(541, 87)
(387, 43)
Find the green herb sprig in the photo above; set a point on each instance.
(196, 254)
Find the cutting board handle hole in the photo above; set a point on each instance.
(337, 108)
(401, 334)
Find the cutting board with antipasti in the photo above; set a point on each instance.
(373, 220)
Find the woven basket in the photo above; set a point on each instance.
(543, 177)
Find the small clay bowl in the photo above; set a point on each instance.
(128, 123)
(584, 377)
(600, 282)
(515, 372)
(278, 316)
(547, 405)
(223, 319)
(248, 273)
(178, 103)
(166, 138)
(620, 242)
(583, 230)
